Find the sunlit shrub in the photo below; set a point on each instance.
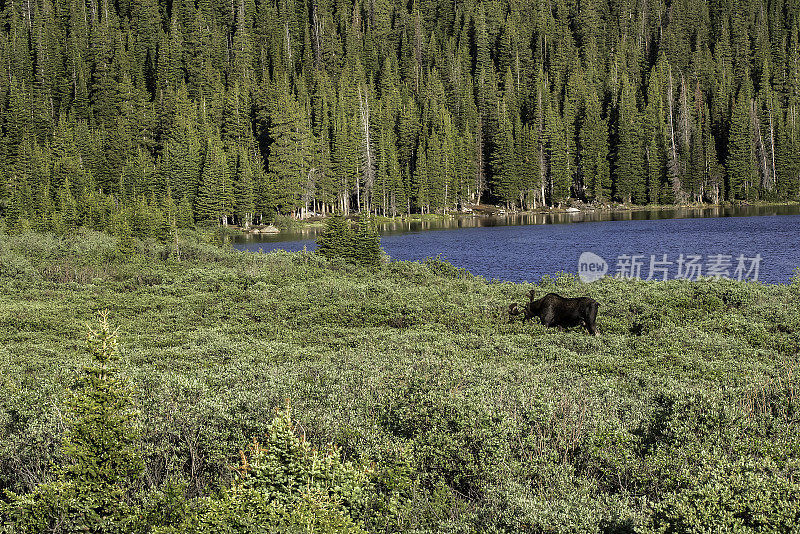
(730, 495)
(15, 266)
(285, 222)
(794, 282)
(441, 267)
(454, 442)
(283, 484)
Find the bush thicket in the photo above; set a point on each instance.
(682, 415)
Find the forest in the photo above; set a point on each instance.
(145, 115)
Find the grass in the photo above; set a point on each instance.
(503, 426)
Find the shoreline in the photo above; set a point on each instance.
(488, 210)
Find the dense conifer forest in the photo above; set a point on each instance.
(141, 116)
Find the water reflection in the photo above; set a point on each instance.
(525, 247)
(560, 217)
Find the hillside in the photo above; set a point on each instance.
(233, 112)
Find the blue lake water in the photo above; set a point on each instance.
(523, 249)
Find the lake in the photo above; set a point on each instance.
(740, 242)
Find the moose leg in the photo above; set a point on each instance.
(590, 320)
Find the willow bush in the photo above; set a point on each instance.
(682, 415)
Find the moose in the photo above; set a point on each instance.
(555, 310)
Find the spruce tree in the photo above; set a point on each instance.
(90, 493)
(290, 151)
(559, 169)
(336, 240)
(506, 182)
(593, 139)
(630, 179)
(740, 165)
(67, 207)
(214, 201)
(653, 139)
(365, 249)
(397, 189)
(243, 189)
(420, 181)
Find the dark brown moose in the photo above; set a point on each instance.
(555, 310)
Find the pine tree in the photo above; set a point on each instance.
(67, 208)
(739, 164)
(243, 189)
(408, 130)
(185, 216)
(91, 490)
(43, 205)
(169, 218)
(214, 202)
(321, 159)
(366, 247)
(593, 139)
(505, 170)
(420, 180)
(367, 149)
(398, 191)
(529, 166)
(101, 438)
(289, 153)
(630, 180)
(143, 220)
(655, 157)
(557, 150)
(335, 241)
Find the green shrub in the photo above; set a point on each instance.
(441, 267)
(285, 222)
(126, 245)
(454, 442)
(746, 495)
(795, 280)
(15, 266)
(165, 509)
(284, 484)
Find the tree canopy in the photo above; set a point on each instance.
(241, 110)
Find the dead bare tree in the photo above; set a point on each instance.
(674, 163)
(367, 156)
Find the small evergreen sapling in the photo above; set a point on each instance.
(285, 485)
(335, 240)
(102, 438)
(90, 489)
(362, 247)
